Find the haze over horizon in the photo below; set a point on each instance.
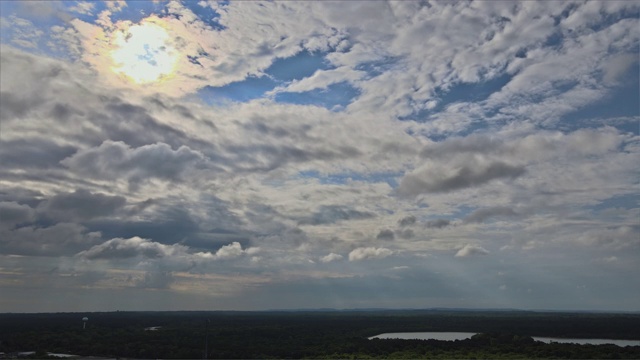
(246, 155)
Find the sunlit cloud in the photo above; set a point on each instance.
(143, 54)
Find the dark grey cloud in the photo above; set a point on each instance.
(474, 144)
(30, 153)
(113, 160)
(61, 239)
(134, 125)
(13, 106)
(438, 224)
(50, 93)
(481, 215)
(466, 175)
(263, 127)
(268, 157)
(80, 205)
(407, 221)
(18, 102)
(385, 234)
(265, 218)
(12, 214)
(21, 195)
(329, 214)
(406, 234)
(204, 227)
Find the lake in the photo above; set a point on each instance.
(589, 341)
(451, 336)
(448, 336)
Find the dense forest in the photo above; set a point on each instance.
(316, 334)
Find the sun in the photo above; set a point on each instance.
(143, 53)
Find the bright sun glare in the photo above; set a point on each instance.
(143, 54)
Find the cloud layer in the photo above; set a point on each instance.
(389, 154)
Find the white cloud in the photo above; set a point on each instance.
(115, 5)
(364, 253)
(609, 259)
(471, 250)
(331, 257)
(86, 8)
(321, 79)
(127, 248)
(234, 250)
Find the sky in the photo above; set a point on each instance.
(247, 155)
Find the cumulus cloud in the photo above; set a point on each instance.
(471, 250)
(385, 234)
(407, 221)
(445, 178)
(80, 205)
(113, 160)
(127, 248)
(234, 250)
(438, 224)
(230, 251)
(331, 257)
(363, 253)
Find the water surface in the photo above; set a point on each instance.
(589, 341)
(451, 336)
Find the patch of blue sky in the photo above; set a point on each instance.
(138, 10)
(470, 128)
(90, 16)
(461, 212)
(623, 201)
(42, 22)
(335, 97)
(610, 19)
(390, 178)
(375, 68)
(566, 12)
(206, 14)
(461, 93)
(554, 41)
(240, 91)
(622, 101)
(296, 67)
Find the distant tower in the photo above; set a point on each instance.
(84, 322)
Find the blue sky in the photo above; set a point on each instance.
(255, 155)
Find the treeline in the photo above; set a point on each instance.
(316, 334)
